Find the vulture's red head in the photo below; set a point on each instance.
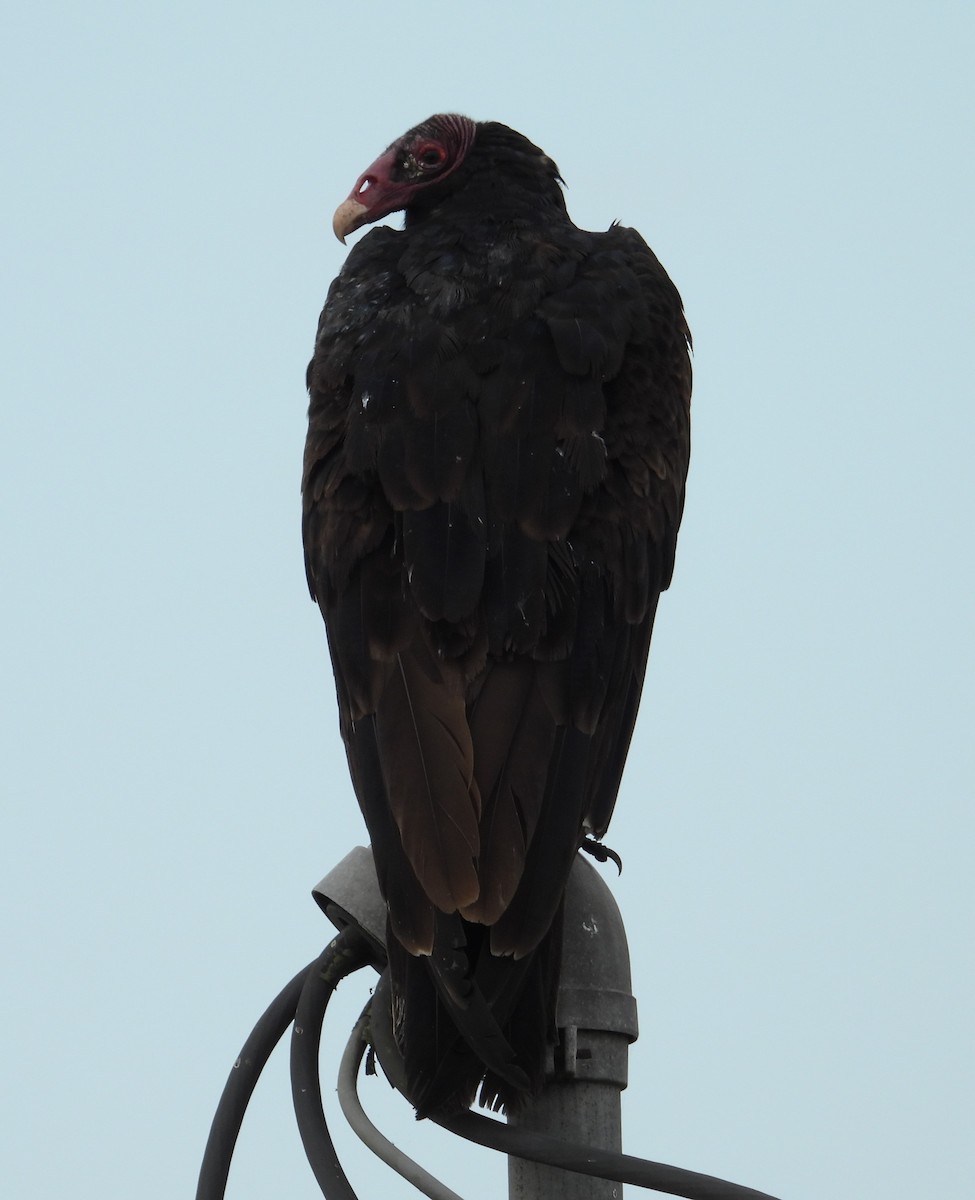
(415, 170)
(420, 159)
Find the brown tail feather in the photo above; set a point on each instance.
(428, 764)
(514, 730)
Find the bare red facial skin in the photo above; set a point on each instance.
(376, 194)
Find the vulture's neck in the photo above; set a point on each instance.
(495, 198)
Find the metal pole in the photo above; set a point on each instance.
(597, 1021)
(595, 1016)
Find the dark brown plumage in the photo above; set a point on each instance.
(494, 477)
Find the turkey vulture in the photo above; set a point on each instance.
(493, 481)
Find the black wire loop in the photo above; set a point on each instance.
(302, 1002)
(240, 1087)
(343, 955)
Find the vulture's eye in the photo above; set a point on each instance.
(429, 156)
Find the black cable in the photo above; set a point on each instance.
(343, 955)
(588, 1160)
(240, 1087)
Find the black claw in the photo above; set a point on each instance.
(602, 853)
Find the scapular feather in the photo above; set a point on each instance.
(444, 555)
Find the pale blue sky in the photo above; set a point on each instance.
(796, 818)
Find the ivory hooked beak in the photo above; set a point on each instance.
(349, 216)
